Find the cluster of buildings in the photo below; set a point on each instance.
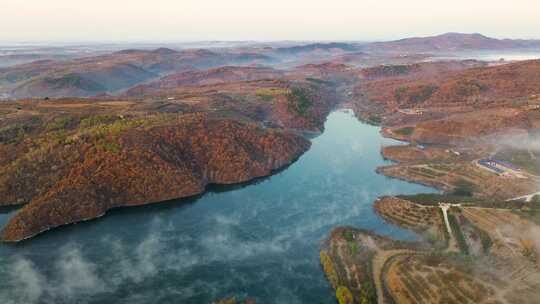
(500, 167)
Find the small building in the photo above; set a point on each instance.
(502, 168)
(491, 166)
(504, 164)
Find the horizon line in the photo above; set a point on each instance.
(180, 41)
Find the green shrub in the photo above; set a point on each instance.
(375, 119)
(485, 239)
(317, 80)
(368, 294)
(463, 187)
(13, 133)
(458, 234)
(271, 92)
(59, 123)
(266, 98)
(226, 301)
(111, 147)
(344, 295)
(299, 101)
(471, 87)
(400, 92)
(353, 248)
(415, 94)
(98, 120)
(423, 94)
(405, 131)
(393, 70)
(329, 269)
(108, 145)
(348, 235)
(74, 80)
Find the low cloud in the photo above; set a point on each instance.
(27, 283)
(76, 275)
(518, 141)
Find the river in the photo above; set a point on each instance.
(491, 55)
(258, 240)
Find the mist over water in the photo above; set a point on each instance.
(259, 241)
(490, 55)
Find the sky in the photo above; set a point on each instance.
(204, 20)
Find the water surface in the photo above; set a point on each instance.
(259, 240)
(494, 55)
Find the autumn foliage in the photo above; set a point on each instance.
(138, 161)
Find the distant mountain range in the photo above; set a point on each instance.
(121, 70)
(108, 73)
(451, 42)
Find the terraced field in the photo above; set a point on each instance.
(347, 260)
(433, 279)
(490, 257)
(423, 219)
(449, 172)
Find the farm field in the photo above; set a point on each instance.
(454, 172)
(484, 255)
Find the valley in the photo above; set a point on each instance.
(242, 172)
(465, 128)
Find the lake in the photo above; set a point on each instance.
(490, 55)
(259, 240)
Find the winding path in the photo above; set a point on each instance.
(378, 264)
(382, 256)
(527, 197)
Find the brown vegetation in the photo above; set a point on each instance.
(496, 263)
(422, 219)
(107, 73)
(74, 163)
(451, 102)
(442, 168)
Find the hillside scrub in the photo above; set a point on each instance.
(299, 101)
(344, 295)
(329, 270)
(463, 187)
(82, 173)
(405, 131)
(458, 234)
